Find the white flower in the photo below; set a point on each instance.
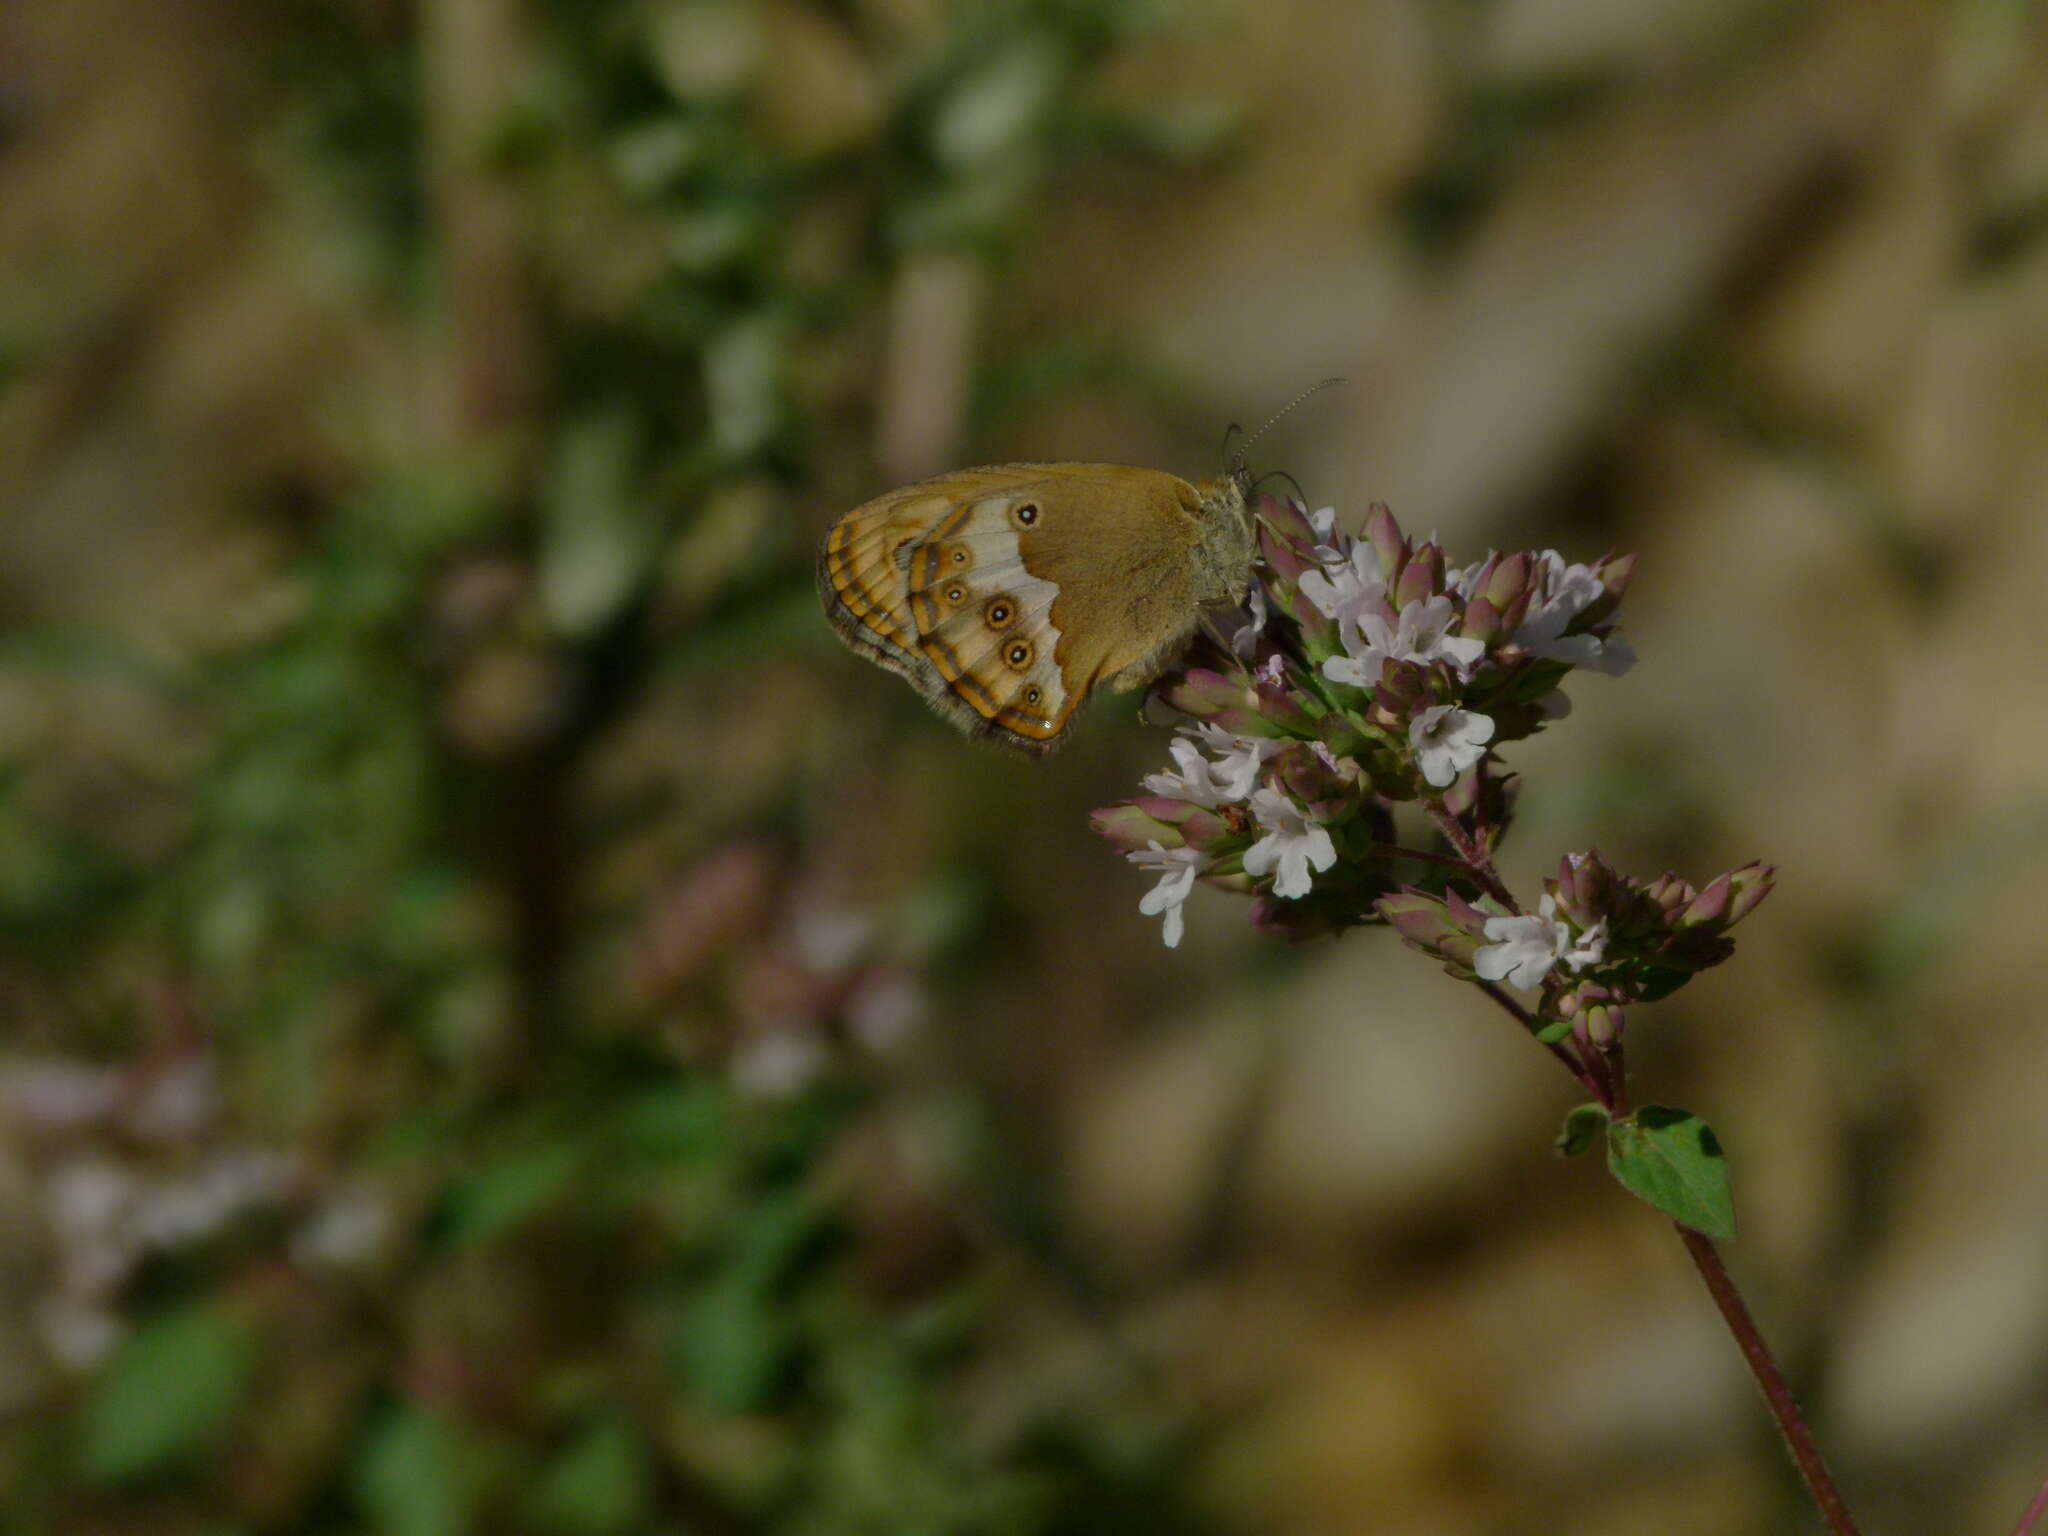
(1418, 634)
(1525, 949)
(1237, 768)
(1346, 588)
(1177, 871)
(1591, 948)
(1292, 845)
(1447, 741)
(1569, 590)
(1466, 582)
(1196, 782)
(1246, 640)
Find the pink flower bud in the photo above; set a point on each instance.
(1384, 534)
(1421, 578)
(1507, 583)
(1132, 828)
(1751, 884)
(1709, 908)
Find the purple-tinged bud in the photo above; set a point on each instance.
(1314, 783)
(1603, 1023)
(1318, 629)
(1433, 926)
(1583, 884)
(1285, 537)
(1204, 694)
(1709, 908)
(1613, 574)
(1750, 885)
(1280, 709)
(1515, 612)
(1421, 578)
(1670, 893)
(1481, 621)
(1132, 829)
(1293, 920)
(1384, 534)
(1507, 583)
(1198, 826)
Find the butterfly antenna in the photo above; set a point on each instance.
(1228, 433)
(1280, 474)
(1245, 447)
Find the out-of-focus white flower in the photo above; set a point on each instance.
(885, 1012)
(348, 1227)
(778, 1063)
(78, 1334)
(178, 1102)
(829, 939)
(55, 1094)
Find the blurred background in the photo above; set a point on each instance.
(505, 1026)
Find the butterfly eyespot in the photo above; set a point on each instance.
(1026, 514)
(1018, 655)
(1034, 694)
(956, 593)
(959, 556)
(999, 612)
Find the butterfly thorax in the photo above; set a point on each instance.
(1223, 557)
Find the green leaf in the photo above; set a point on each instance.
(1554, 1031)
(733, 1345)
(1582, 1127)
(600, 1486)
(412, 1479)
(1672, 1160)
(174, 1382)
(510, 1192)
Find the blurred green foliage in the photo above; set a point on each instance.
(384, 878)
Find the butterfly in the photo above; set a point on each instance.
(1006, 594)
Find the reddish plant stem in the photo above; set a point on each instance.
(2033, 1512)
(1784, 1409)
(1473, 856)
(1568, 1059)
(1396, 851)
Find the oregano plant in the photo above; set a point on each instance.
(1338, 761)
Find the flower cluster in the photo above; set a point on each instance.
(1368, 673)
(1599, 941)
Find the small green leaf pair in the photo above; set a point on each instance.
(1667, 1157)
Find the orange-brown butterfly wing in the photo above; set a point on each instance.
(1004, 594)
